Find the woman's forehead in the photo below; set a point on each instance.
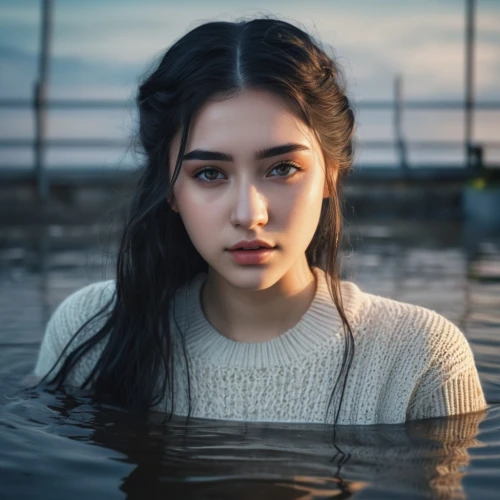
(245, 123)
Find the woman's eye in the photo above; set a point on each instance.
(209, 173)
(283, 169)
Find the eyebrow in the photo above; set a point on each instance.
(201, 154)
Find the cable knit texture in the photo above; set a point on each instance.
(409, 363)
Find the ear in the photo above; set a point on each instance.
(172, 203)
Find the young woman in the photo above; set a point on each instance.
(227, 302)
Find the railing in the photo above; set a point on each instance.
(474, 151)
(474, 157)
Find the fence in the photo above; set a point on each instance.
(474, 151)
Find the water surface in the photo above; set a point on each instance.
(58, 446)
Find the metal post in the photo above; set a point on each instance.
(40, 98)
(398, 123)
(469, 79)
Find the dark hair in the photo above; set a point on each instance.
(156, 256)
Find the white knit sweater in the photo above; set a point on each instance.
(409, 362)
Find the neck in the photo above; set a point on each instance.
(258, 315)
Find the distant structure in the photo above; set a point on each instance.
(43, 178)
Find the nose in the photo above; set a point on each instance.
(249, 207)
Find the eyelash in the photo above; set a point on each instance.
(292, 164)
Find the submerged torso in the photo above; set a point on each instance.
(400, 368)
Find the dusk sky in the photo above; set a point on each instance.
(101, 48)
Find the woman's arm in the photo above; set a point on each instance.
(65, 322)
(451, 385)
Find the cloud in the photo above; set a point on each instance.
(424, 43)
(69, 76)
(17, 68)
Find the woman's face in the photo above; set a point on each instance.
(251, 170)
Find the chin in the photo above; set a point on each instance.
(252, 277)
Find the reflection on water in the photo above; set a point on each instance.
(62, 439)
(60, 446)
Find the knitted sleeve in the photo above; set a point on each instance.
(68, 317)
(450, 385)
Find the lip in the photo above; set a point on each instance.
(251, 243)
(252, 257)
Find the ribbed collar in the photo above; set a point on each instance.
(316, 328)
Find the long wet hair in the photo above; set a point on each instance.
(156, 256)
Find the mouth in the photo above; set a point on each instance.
(251, 245)
(251, 249)
(252, 256)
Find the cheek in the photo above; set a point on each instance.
(302, 208)
(201, 216)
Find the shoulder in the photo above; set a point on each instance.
(431, 355)
(408, 320)
(375, 317)
(425, 338)
(78, 308)
(74, 312)
(412, 334)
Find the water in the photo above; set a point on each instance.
(57, 446)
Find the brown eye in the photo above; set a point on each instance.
(209, 173)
